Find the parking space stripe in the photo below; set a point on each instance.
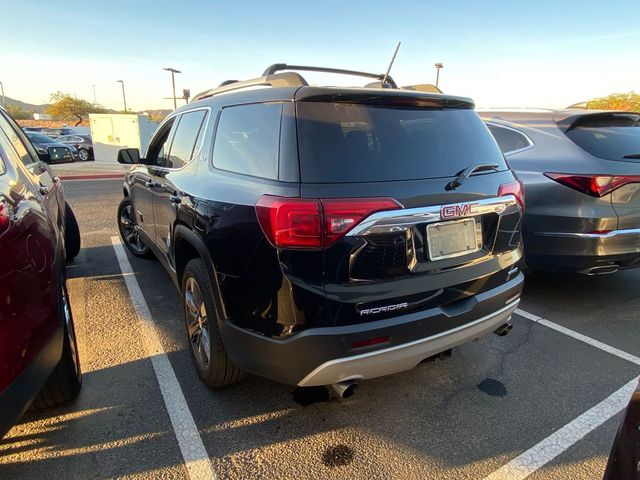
(542, 453)
(193, 452)
(578, 336)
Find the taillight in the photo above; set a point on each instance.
(594, 185)
(4, 217)
(312, 222)
(515, 188)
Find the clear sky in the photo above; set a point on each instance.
(501, 53)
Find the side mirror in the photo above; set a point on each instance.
(129, 156)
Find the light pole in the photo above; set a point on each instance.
(173, 83)
(438, 67)
(4, 100)
(124, 99)
(94, 95)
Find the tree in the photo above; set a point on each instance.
(65, 107)
(18, 113)
(616, 101)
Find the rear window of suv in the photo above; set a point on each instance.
(608, 136)
(340, 142)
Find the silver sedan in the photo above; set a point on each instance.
(581, 171)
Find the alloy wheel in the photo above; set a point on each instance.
(130, 231)
(197, 322)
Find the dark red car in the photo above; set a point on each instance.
(624, 460)
(39, 362)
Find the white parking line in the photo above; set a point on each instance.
(578, 336)
(542, 453)
(193, 452)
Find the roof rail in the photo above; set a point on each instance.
(277, 67)
(271, 78)
(288, 79)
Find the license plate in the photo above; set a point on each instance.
(453, 239)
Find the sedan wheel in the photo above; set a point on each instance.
(83, 154)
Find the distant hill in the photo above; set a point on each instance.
(29, 107)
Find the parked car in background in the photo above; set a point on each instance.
(82, 143)
(39, 361)
(581, 170)
(52, 151)
(310, 240)
(51, 132)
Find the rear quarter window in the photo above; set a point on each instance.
(248, 140)
(509, 140)
(341, 142)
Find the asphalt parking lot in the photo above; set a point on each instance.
(499, 407)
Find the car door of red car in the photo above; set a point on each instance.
(28, 267)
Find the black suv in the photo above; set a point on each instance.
(323, 235)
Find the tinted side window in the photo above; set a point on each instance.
(508, 140)
(7, 147)
(248, 140)
(18, 144)
(184, 140)
(159, 146)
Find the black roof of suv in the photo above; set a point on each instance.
(330, 234)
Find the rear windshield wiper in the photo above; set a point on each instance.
(467, 172)
(633, 155)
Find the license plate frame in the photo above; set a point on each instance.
(468, 228)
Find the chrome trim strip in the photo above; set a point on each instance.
(611, 234)
(402, 357)
(392, 221)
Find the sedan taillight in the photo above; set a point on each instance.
(594, 185)
(314, 223)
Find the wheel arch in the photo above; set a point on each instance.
(187, 246)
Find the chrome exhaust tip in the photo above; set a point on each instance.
(601, 270)
(503, 330)
(345, 389)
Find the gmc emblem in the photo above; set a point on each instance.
(459, 210)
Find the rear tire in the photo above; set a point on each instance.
(66, 379)
(71, 234)
(209, 356)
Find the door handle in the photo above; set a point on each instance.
(175, 198)
(150, 184)
(44, 190)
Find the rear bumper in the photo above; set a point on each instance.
(575, 251)
(406, 356)
(322, 356)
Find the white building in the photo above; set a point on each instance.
(111, 132)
